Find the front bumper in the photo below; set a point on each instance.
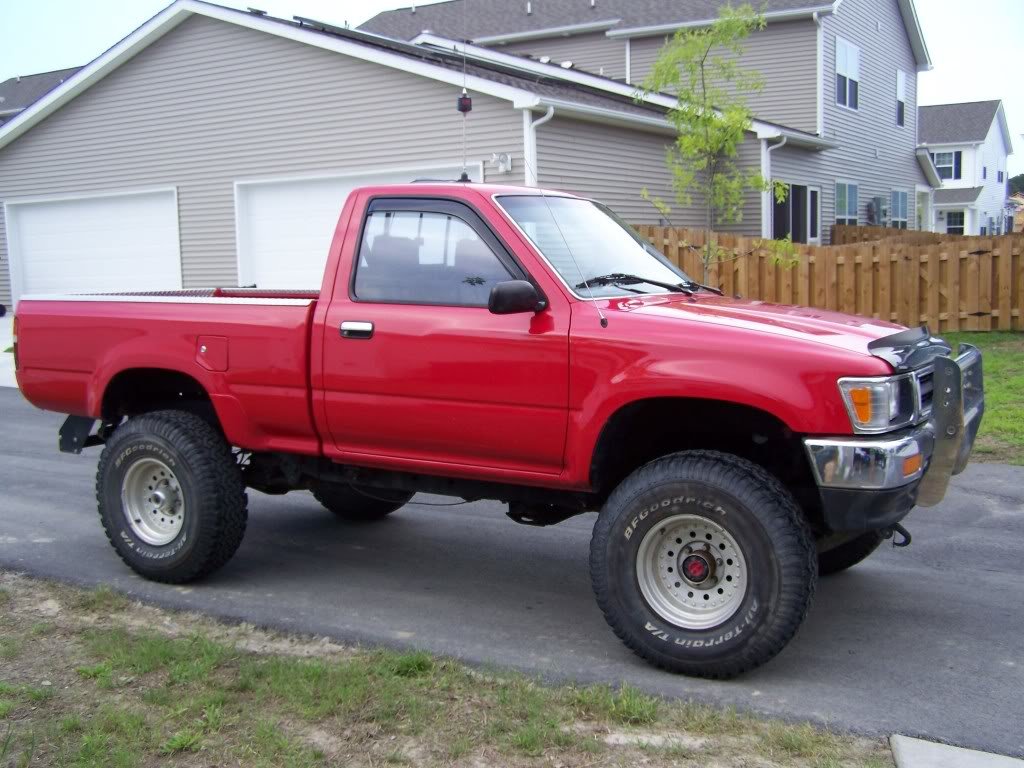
(874, 482)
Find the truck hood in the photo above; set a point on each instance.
(822, 326)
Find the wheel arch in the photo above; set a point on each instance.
(134, 391)
(645, 429)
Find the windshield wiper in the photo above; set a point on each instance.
(693, 284)
(620, 278)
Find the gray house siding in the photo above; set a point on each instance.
(873, 151)
(212, 102)
(785, 53)
(592, 52)
(614, 164)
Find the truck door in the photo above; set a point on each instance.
(417, 371)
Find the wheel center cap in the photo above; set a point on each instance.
(696, 569)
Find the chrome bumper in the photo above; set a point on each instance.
(944, 440)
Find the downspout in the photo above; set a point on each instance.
(768, 196)
(530, 173)
(820, 74)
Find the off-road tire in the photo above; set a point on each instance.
(849, 554)
(765, 522)
(216, 509)
(357, 504)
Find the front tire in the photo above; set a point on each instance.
(171, 497)
(702, 564)
(356, 504)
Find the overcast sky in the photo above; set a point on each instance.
(977, 52)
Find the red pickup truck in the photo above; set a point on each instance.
(490, 342)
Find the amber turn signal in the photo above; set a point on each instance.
(912, 464)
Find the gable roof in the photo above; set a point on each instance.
(526, 87)
(496, 21)
(966, 123)
(19, 92)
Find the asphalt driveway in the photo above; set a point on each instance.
(927, 641)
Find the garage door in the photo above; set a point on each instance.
(123, 242)
(285, 227)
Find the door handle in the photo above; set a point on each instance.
(356, 329)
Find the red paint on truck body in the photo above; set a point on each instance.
(453, 391)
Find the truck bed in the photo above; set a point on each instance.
(248, 348)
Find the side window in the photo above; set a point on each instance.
(847, 74)
(901, 97)
(425, 257)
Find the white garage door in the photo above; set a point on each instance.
(285, 227)
(123, 242)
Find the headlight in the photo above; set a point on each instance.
(879, 404)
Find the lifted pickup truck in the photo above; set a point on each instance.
(491, 342)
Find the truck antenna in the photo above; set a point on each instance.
(465, 102)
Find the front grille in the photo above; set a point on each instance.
(925, 385)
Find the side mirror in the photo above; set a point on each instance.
(514, 296)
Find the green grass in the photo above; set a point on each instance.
(1002, 430)
(130, 698)
(9, 349)
(101, 600)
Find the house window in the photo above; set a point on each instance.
(948, 164)
(846, 203)
(1000, 176)
(984, 171)
(901, 97)
(898, 210)
(955, 223)
(847, 74)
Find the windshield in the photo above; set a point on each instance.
(584, 240)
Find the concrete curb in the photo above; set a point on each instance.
(917, 753)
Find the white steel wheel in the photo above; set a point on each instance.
(153, 502)
(691, 572)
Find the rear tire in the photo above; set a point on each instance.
(703, 564)
(356, 504)
(849, 554)
(171, 497)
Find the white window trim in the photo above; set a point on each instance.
(892, 216)
(901, 74)
(835, 197)
(14, 246)
(836, 73)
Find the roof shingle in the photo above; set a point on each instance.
(953, 196)
(16, 93)
(955, 123)
(473, 19)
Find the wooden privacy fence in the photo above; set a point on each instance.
(848, 234)
(970, 284)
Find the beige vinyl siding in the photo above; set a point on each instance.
(873, 151)
(786, 56)
(614, 164)
(211, 103)
(592, 52)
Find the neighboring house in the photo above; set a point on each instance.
(969, 144)
(1016, 209)
(19, 92)
(845, 72)
(215, 146)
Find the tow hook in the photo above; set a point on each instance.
(905, 538)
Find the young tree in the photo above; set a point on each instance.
(701, 66)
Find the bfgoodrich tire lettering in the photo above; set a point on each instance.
(759, 515)
(214, 500)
